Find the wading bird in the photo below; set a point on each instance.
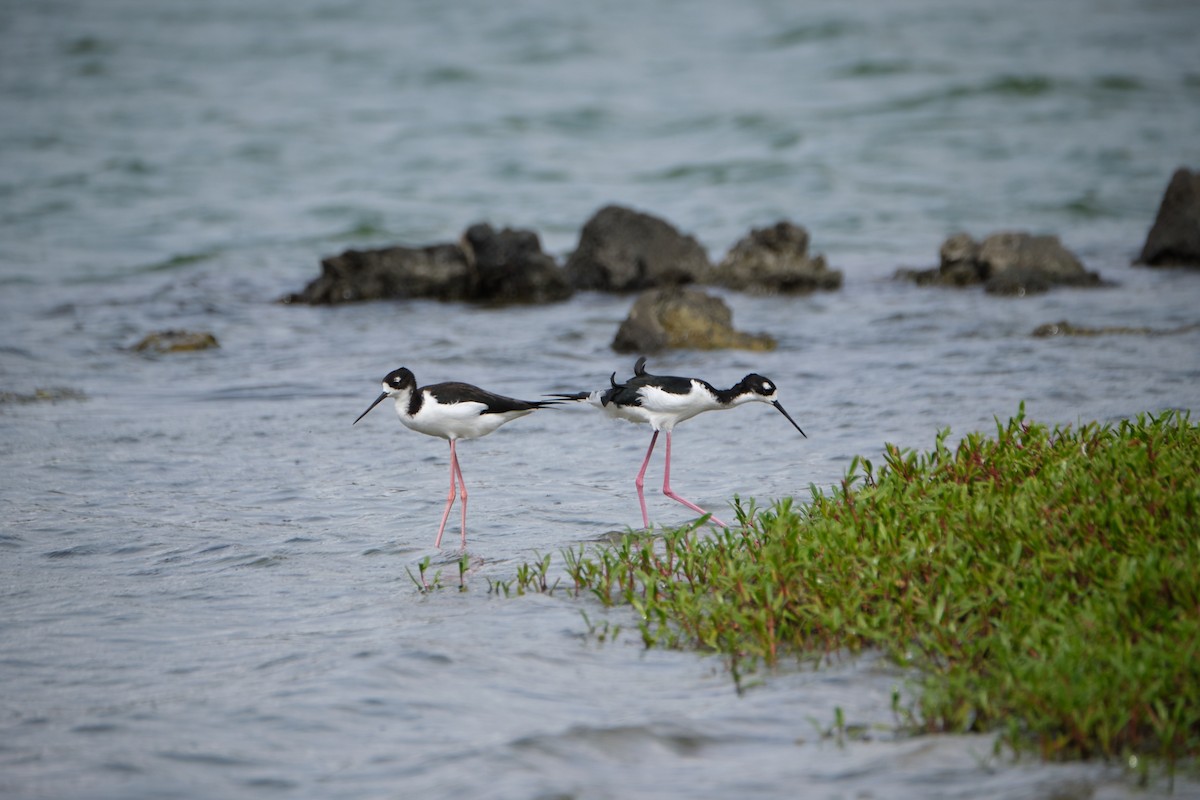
(451, 411)
(664, 401)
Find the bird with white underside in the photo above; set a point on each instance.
(451, 411)
(663, 401)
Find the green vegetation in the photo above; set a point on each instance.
(1043, 583)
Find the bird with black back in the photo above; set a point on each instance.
(451, 411)
(664, 401)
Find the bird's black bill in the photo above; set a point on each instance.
(781, 411)
(383, 396)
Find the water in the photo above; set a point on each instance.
(204, 588)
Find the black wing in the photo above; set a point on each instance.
(450, 393)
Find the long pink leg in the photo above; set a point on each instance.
(450, 498)
(641, 480)
(462, 485)
(667, 488)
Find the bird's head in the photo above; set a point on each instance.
(396, 383)
(756, 388)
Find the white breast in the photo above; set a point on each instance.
(664, 410)
(454, 420)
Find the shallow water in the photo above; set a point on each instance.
(203, 566)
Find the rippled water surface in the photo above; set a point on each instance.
(204, 567)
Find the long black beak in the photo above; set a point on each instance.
(383, 397)
(774, 403)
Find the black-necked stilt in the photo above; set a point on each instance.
(664, 401)
(451, 411)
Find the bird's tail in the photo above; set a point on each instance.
(575, 397)
(552, 401)
(598, 398)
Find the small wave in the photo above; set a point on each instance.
(1018, 85)
(721, 172)
(72, 552)
(449, 74)
(364, 229)
(103, 728)
(178, 260)
(11, 541)
(267, 391)
(875, 69)
(87, 46)
(1119, 83)
(1088, 206)
(817, 32)
(209, 759)
(621, 741)
(1003, 86)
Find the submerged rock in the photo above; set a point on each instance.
(622, 250)
(51, 394)
(489, 266)
(175, 341)
(1009, 263)
(1065, 328)
(682, 317)
(1174, 239)
(774, 260)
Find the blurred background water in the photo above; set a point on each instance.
(203, 565)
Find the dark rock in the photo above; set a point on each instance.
(1024, 252)
(959, 258)
(494, 267)
(439, 272)
(624, 250)
(1018, 283)
(510, 267)
(1009, 263)
(774, 259)
(1174, 239)
(176, 342)
(682, 317)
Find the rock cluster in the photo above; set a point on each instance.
(624, 250)
(620, 250)
(505, 266)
